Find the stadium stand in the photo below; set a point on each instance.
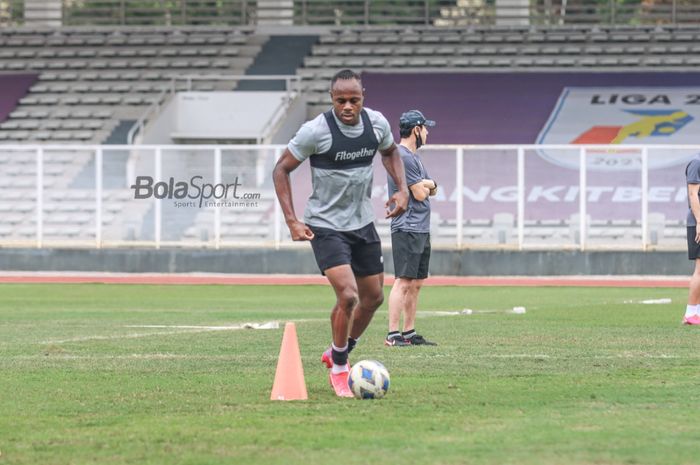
(90, 79)
(69, 206)
(92, 82)
(480, 49)
(100, 76)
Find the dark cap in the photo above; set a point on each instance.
(413, 118)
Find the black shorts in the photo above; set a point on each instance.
(411, 252)
(693, 247)
(361, 249)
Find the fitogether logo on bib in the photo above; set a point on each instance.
(344, 155)
(622, 116)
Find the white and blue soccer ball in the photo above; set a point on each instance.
(369, 379)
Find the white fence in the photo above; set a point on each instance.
(504, 196)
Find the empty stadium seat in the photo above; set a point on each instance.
(67, 59)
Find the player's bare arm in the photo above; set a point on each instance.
(283, 187)
(420, 191)
(693, 190)
(391, 159)
(431, 186)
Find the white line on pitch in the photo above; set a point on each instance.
(123, 336)
(556, 357)
(176, 329)
(157, 356)
(268, 325)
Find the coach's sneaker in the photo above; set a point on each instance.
(418, 340)
(396, 341)
(339, 382)
(691, 320)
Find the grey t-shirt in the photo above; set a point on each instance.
(692, 176)
(341, 198)
(417, 216)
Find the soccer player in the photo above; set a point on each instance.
(339, 220)
(692, 175)
(410, 233)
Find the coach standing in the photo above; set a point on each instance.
(410, 233)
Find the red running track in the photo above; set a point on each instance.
(202, 279)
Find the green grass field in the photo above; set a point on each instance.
(581, 378)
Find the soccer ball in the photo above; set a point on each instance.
(368, 379)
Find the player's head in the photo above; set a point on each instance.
(413, 124)
(347, 96)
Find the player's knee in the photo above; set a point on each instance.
(373, 301)
(348, 299)
(379, 300)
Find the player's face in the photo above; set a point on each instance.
(347, 100)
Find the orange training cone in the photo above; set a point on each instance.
(289, 378)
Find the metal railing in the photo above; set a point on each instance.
(497, 196)
(364, 12)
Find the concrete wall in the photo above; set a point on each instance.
(208, 116)
(43, 13)
(275, 12)
(294, 117)
(301, 261)
(512, 12)
(158, 130)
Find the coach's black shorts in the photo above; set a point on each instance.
(361, 249)
(693, 247)
(411, 252)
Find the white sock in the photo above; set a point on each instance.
(339, 369)
(339, 349)
(691, 310)
(335, 369)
